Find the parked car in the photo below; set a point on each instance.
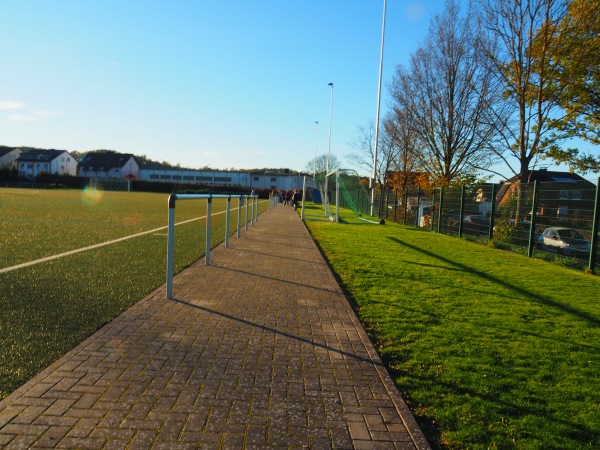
(564, 241)
(476, 224)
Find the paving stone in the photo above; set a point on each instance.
(259, 350)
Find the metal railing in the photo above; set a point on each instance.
(250, 201)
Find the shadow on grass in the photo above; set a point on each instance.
(595, 321)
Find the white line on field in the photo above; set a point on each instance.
(102, 244)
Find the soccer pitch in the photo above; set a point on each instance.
(48, 308)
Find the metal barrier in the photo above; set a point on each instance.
(510, 215)
(208, 197)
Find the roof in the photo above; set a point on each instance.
(561, 180)
(548, 175)
(104, 161)
(41, 155)
(6, 150)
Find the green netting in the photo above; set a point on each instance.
(352, 194)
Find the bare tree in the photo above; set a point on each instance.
(319, 164)
(364, 151)
(451, 98)
(520, 58)
(405, 170)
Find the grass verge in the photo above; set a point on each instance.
(489, 349)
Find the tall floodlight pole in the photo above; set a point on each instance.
(329, 139)
(377, 115)
(316, 144)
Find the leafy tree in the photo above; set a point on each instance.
(520, 57)
(575, 50)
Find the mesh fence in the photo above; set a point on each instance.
(548, 220)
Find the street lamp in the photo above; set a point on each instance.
(316, 143)
(329, 140)
(377, 115)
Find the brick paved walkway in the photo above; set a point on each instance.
(259, 350)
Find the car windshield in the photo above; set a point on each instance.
(570, 234)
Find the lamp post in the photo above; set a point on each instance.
(316, 143)
(329, 139)
(377, 115)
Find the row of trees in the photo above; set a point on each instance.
(505, 81)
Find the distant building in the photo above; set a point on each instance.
(35, 162)
(109, 165)
(9, 157)
(563, 194)
(257, 180)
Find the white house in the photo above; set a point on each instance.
(109, 165)
(34, 162)
(8, 157)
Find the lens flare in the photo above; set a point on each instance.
(91, 196)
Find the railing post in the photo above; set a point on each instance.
(170, 245)
(255, 209)
(595, 226)
(208, 218)
(462, 210)
(531, 241)
(239, 216)
(246, 215)
(227, 221)
(303, 197)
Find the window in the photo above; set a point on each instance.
(154, 176)
(273, 180)
(177, 177)
(188, 177)
(165, 177)
(255, 178)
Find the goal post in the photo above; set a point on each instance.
(344, 188)
(102, 184)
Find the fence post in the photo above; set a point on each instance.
(337, 196)
(462, 210)
(431, 210)
(532, 224)
(439, 224)
(492, 214)
(595, 225)
(387, 204)
(227, 222)
(170, 245)
(405, 203)
(418, 206)
(208, 220)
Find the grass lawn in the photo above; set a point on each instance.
(489, 349)
(48, 308)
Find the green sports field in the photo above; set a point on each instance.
(48, 308)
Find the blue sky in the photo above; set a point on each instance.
(235, 84)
